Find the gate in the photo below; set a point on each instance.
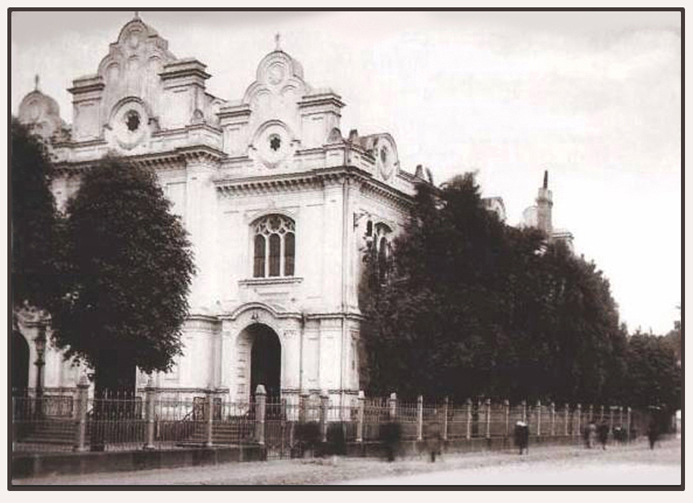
(279, 429)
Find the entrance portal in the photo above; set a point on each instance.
(265, 361)
(20, 363)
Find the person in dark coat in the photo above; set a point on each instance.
(653, 432)
(433, 440)
(603, 432)
(589, 434)
(522, 436)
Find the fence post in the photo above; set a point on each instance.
(620, 416)
(506, 404)
(566, 414)
(591, 413)
(149, 403)
(524, 411)
(209, 418)
(260, 404)
(601, 418)
(359, 424)
(628, 422)
(579, 419)
(324, 407)
(302, 405)
(488, 418)
(81, 411)
(553, 419)
(538, 418)
(393, 406)
(469, 418)
(419, 418)
(611, 418)
(445, 419)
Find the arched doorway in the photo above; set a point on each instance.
(20, 364)
(265, 360)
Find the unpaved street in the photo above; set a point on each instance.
(632, 464)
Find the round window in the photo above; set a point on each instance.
(132, 121)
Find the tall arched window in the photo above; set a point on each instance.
(274, 246)
(383, 250)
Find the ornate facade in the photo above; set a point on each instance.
(279, 204)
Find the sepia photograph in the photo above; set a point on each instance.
(345, 249)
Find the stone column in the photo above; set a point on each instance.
(393, 406)
(209, 417)
(359, 424)
(469, 418)
(538, 418)
(260, 403)
(488, 418)
(419, 418)
(506, 403)
(579, 419)
(324, 408)
(566, 413)
(150, 413)
(81, 408)
(445, 419)
(553, 419)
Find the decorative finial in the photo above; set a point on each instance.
(277, 39)
(137, 14)
(546, 179)
(36, 82)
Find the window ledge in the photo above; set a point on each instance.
(277, 280)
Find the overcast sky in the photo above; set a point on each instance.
(594, 97)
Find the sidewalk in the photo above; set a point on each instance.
(339, 470)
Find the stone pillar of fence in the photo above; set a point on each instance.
(324, 408)
(620, 416)
(579, 420)
(506, 404)
(566, 413)
(81, 407)
(149, 413)
(611, 418)
(601, 417)
(419, 418)
(209, 418)
(469, 418)
(524, 411)
(260, 405)
(553, 419)
(488, 418)
(393, 406)
(446, 403)
(628, 412)
(303, 407)
(361, 410)
(538, 418)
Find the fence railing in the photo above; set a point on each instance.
(161, 420)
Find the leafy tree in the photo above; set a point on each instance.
(34, 221)
(478, 308)
(129, 266)
(654, 375)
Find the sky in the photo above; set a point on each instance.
(592, 97)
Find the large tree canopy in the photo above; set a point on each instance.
(477, 308)
(129, 266)
(33, 221)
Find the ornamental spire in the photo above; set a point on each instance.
(277, 38)
(36, 82)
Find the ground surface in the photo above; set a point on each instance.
(565, 465)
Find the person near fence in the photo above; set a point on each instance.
(589, 434)
(603, 432)
(522, 436)
(433, 437)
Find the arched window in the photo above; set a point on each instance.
(383, 250)
(274, 246)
